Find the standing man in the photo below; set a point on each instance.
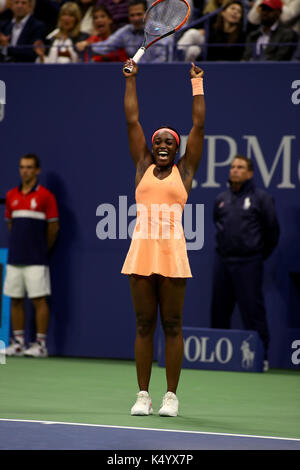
(32, 216)
(247, 232)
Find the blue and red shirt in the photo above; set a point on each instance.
(30, 214)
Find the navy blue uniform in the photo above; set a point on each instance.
(247, 232)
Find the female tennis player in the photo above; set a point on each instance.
(157, 262)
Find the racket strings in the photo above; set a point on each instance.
(164, 17)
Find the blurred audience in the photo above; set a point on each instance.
(212, 5)
(103, 26)
(290, 14)
(264, 42)
(227, 29)
(118, 10)
(43, 10)
(198, 7)
(18, 35)
(86, 9)
(131, 36)
(63, 39)
(5, 11)
(28, 29)
(47, 11)
(2, 5)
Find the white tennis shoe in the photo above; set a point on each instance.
(36, 350)
(169, 406)
(15, 349)
(143, 405)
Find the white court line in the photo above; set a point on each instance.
(152, 429)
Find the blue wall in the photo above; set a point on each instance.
(72, 117)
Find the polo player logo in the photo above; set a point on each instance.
(247, 203)
(33, 203)
(248, 355)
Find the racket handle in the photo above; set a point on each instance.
(137, 56)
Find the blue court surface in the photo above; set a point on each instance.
(49, 435)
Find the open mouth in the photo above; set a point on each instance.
(163, 155)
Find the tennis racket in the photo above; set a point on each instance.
(162, 18)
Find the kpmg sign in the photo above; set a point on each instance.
(283, 159)
(213, 349)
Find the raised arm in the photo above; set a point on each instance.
(137, 142)
(188, 164)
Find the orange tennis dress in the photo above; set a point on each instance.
(158, 243)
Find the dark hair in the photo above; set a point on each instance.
(101, 8)
(172, 129)
(230, 2)
(132, 3)
(247, 160)
(218, 26)
(32, 156)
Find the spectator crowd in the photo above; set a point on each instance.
(60, 31)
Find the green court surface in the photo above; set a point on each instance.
(102, 391)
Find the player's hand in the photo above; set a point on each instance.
(130, 63)
(196, 72)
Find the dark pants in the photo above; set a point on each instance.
(239, 281)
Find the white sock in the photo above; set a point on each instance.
(19, 336)
(41, 338)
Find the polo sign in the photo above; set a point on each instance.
(213, 349)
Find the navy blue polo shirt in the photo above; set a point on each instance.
(30, 214)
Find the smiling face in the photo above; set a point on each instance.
(164, 148)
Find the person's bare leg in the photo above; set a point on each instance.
(41, 315)
(143, 293)
(17, 314)
(171, 294)
(18, 326)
